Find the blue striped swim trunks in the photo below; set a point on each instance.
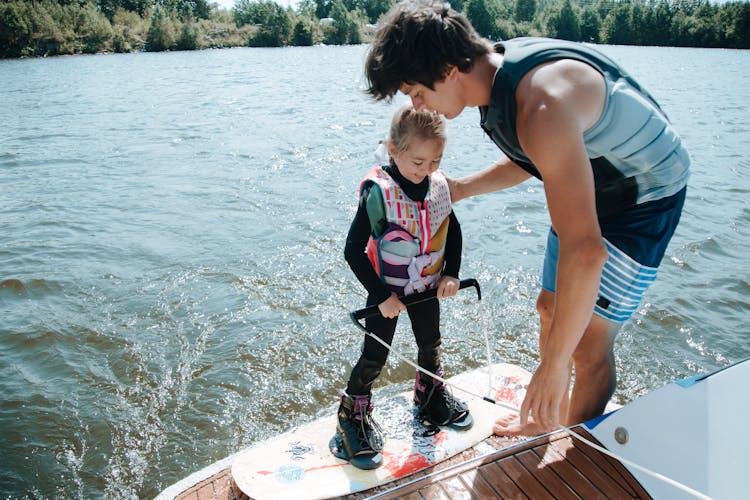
(636, 241)
(623, 282)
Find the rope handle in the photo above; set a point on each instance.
(408, 300)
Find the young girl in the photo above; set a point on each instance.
(404, 239)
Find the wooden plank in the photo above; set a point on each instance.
(434, 492)
(456, 489)
(538, 467)
(525, 480)
(572, 477)
(500, 482)
(413, 496)
(477, 484)
(593, 473)
(616, 470)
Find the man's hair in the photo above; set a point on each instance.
(416, 42)
(409, 125)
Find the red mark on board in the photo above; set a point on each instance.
(440, 438)
(508, 393)
(323, 467)
(414, 462)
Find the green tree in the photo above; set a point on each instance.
(15, 29)
(661, 27)
(92, 28)
(735, 17)
(638, 24)
(323, 8)
(707, 32)
(306, 8)
(346, 25)
(525, 10)
(186, 9)
(189, 38)
(128, 31)
(376, 8)
(479, 14)
(616, 26)
(52, 31)
(109, 7)
(590, 25)
(303, 33)
(603, 8)
(244, 12)
(274, 24)
(565, 24)
(162, 34)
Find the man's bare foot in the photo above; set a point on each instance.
(510, 425)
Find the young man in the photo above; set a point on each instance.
(614, 173)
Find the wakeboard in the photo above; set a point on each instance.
(300, 463)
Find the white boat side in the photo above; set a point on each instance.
(693, 431)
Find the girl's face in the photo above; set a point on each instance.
(419, 160)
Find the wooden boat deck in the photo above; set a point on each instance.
(552, 466)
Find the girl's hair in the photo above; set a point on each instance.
(416, 42)
(409, 124)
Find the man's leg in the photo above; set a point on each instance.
(595, 375)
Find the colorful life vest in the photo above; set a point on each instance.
(408, 254)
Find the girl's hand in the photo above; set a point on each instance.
(391, 307)
(447, 286)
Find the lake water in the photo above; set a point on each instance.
(172, 282)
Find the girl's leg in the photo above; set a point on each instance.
(425, 323)
(436, 404)
(373, 356)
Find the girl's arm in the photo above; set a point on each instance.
(453, 247)
(354, 253)
(448, 283)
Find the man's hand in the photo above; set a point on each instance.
(544, 396)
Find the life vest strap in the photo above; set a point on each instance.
(411, 286)
(401, 260)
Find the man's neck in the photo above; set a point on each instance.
(478, 82)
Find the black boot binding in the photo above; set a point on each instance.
(358, 437)
(437, 406)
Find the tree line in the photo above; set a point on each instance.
(31, 28)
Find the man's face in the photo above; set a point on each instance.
(444, 100)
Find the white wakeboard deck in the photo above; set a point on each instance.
(299, 463)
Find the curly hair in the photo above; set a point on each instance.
(416, 42)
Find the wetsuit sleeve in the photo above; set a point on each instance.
(375, 205)
(354, 252)
(453, 246)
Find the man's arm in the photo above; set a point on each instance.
(557, 103)
(501, 175)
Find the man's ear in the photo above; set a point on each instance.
(451, 72)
